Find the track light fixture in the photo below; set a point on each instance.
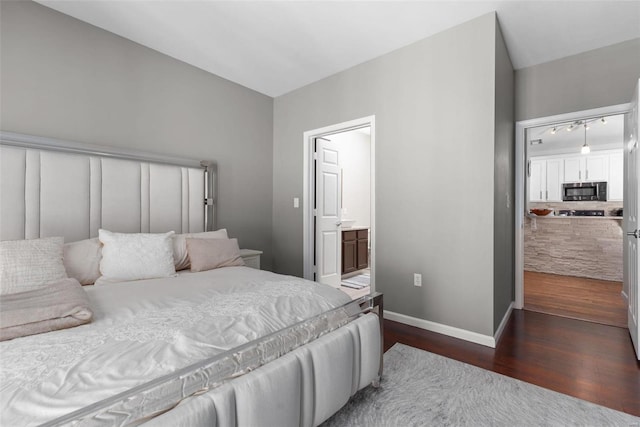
(571, 126)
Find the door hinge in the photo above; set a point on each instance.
(208, 202)
(315, 212)
(315, 156)
(315, 269)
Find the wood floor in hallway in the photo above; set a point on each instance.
(579, 298)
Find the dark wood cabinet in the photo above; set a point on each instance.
(355, 250)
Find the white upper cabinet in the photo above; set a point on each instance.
(596, 168)
(593, 167)
(573, 169)
(554, 180)
(548, 173)
(545, 180)
(616, 176)
(537, 180)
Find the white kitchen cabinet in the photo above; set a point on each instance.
(596, 168)
(537, 180)
(573, 169)
(545, 180)
(548, 173)
(586, 168)
(554, 180)
(616, 177)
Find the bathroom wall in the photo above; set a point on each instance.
(355, 159)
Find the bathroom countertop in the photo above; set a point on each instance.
(355, 228)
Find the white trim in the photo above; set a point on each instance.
(521, 205)
(463, 334)
(308, 190)
(503, 323)
(624, 295)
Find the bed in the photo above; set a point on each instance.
(224, 346)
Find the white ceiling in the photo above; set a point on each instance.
(275, 47)
(600, 136)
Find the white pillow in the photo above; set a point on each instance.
(82, 260)
(180, 254)
(26, 265)
(135, 256)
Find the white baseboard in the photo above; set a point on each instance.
(503, 323)
(463, 334)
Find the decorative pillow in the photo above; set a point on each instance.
(135, 256)
(59, 305)
(180, 255)
(26, 265)
(82, 260)
(207, 254)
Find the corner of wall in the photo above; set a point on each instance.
(504, 179)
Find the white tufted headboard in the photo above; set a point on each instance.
(50, 187)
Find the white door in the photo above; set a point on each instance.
(631, 212)
(328, 259)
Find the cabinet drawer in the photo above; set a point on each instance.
(363, 234)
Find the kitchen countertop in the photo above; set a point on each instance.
(573, 217)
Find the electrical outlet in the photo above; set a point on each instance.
(417, 279)
(296, 202)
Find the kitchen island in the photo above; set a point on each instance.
(581, 246)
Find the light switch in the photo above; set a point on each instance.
(296, 202)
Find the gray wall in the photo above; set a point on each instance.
(504, 175)
(598, 78)
(434, 108)
(66, 79)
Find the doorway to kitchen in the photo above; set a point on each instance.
(339, 206)
(569, 235)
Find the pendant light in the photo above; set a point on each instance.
(585, 148)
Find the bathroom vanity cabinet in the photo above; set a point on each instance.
(355, 249)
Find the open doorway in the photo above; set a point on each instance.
(571, 234)
(339, 206)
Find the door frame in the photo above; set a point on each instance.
(520, 167)
(308, 192)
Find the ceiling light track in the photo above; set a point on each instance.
(571, 126)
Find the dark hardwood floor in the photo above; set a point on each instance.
(593, 300)
(587, 360)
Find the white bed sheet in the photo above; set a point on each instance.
(145, 329)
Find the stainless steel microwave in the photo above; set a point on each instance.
(584, 191)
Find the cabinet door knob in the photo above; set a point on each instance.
(338, 224)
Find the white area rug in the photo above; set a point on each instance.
(419, 388)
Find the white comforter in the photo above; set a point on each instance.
(145, 329)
